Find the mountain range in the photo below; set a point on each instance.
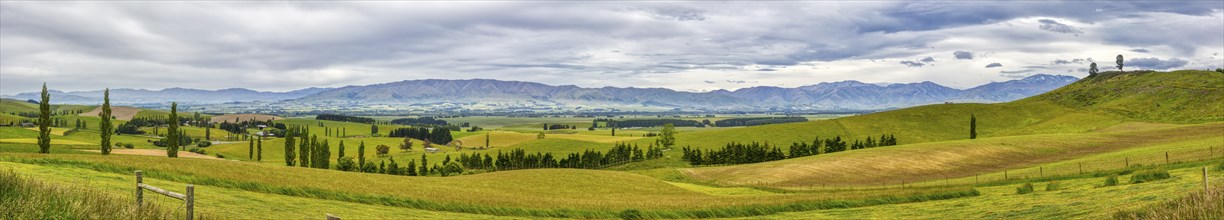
(844, 95)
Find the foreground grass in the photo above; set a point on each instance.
(1082, 198)
(1196, 205)
(26, 198)
(536, 193)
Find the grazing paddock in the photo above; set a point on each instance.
(243, 117)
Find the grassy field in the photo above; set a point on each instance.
(952, 159)
(1076, 135)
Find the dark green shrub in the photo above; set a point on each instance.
(630, 214)
(1149, 176)
(1053, 185)
(204, 144)
(220, 156)
(1025, 189)
(197, 150)
(129, 146)
(1220, 167)
(1111, 180)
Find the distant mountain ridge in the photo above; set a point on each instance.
(844, 95)
(181, 95)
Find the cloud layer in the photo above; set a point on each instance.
(278, 46)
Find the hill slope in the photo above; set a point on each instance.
(1187, 96)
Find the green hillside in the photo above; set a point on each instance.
(1186, 96)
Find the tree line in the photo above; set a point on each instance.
(433, 135)
(344, 118)
(420, 121)
(731, 122)
(653, 123)
(740, 153)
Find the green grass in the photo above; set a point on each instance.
(1195, 205)
(1080, 198)
(511, 192)
(26, 198)
(938, 161)
(1186, 96)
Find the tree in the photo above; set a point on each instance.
(487, 139)
(1092, 69)
(382, 150)
(424, 171)
(289, 147)
(361, 154)
(407, 145)
(105, 129)
(972, 126)
(341, 154)
(172, 132)
(259, 149)
(1119, 62)
(44, 122)
(208, 132)
(250, 149)
(667, 136)
(540, 135)
(373, 130)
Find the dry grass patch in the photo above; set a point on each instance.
(120, 112)
(244, 117)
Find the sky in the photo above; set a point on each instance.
(685, 46)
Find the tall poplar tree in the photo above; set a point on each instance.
(105, 129)
(361, 156)
(250, 149)
(289, 151)
(172, 133)
(259, 149)
(44, 122)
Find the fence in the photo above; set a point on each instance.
(1087, 166)
(189, 198)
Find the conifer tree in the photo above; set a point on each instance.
(105, 129)
(424, 166)
(44, 122)
(304, 149)
(341, 153)
(250, 149)
(972, 127)
(172, 132)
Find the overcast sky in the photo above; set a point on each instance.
(687, 46)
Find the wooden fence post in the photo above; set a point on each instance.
(1166, 157)
(190, 201)
(1127, 163)
(1081, 168)
(1204, 179)
(139, 191)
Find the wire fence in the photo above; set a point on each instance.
(1054, 170)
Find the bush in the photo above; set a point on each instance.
(1149, 176)
(383, 150)
(1220, 167)
(204, 144)
(452, 168)
(346, 164)
(220, 156)
(1052, 186)
(630, 214)
(129, 146)
(1025, 189)
(1111, 180)
(197, 150)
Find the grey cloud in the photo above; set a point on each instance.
(1156, 63)
(1139, 50)
(993, 65)
(963, 55)
(767, 70)
(927, 60)
(1060, 62)
(1016, 73)
(912, 63)
(708, 82)
(1054, 26)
